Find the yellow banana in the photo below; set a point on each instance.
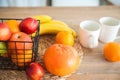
(65, 25)
(43, 18)
(53, 27)
(59, 22)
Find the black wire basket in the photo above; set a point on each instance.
(10, 61)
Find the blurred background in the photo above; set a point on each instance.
(38, 3)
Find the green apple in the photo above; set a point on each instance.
(3, 48)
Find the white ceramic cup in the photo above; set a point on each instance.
(109, 29)
(89, 33)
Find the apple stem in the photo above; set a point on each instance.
(18, 36)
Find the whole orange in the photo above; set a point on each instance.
(13, 25)
(64, 37)
(61, 60)
(21, 59)
(112, 51)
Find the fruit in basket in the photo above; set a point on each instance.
(53, 27)
(22, 59)
(42, 18)
(65, 37)
(61, 60)
(5, 32)
(35, 71)
(5, 55)
(13, 25)
(19, 43)
(112, 51)
(3, 48)
(28, 25)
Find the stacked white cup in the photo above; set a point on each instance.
(90, 32)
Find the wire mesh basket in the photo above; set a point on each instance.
(10, 59)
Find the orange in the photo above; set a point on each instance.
(5, 55)
(61, 60)
(112, 51)
(21, 59)
(13, 25)
(64, 37)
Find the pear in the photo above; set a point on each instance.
(3, 48)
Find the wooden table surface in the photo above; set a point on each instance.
(93, 66)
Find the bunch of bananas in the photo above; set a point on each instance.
(50, 26)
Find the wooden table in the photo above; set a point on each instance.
(93, 66)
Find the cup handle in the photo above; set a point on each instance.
(118, 36)
(91, 42)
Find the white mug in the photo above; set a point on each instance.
(109, 29)
(89, 33)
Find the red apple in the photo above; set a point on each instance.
(28, 25)
(5, 32)
(35, 71)
(20, 43)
